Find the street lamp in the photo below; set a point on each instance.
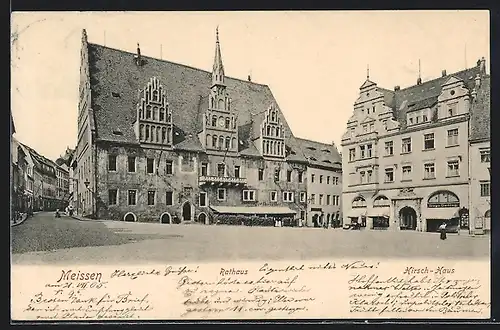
(87, 183)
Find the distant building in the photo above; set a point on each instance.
(406, 153)
(164, 142)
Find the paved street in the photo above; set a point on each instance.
(43, 239)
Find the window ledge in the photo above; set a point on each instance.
(391, 155)
(453, 145)
(429, 149)
(453, 176)
(429, 178)
(406, 153)
(406, 180)
(388, 181)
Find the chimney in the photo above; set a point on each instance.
(397, 88)
(477, 80)
(419, 81)
(138, 59)
(482, 65)
(249, 78)
(443, 73)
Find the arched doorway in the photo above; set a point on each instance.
(315, 220)
(186, 212)
(166, 218)
(487, 220)
(407, 218)
(130, 217)
(202, 218)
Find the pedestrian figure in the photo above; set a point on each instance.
(442, 230)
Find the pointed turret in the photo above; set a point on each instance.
(218, 68)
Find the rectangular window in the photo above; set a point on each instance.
(389, 148)
(276, 175)
(112, 163)
(150, 165)
(169, 198)
(369, 150)
(320, 199)
(221, 170)
(424, 118)
(221, 194)
(328, 199)
(112, 196)
(406, 172)
(236, 171)
(485, 189)
(273, 196)
(406, 145)
(261, 174)
(453, 169)
(453, 137)
(485, 156)
(302, 215)
(301, 177)
(169, 167)
(362, 177)
(204, 169)
(312, 178)
(365, 128)
(384, 124)
(302, 197)
(132, 197)
(289, 176)
(336, 180)
(362, 152)
(372, 127)
(429, 171)
(131, 164)
(452, 111)
(203, 199)
(320, 179)
(248, 195)
(369, 176)
(313, 199)
(428, 141)
(151, 197)
(288, 196)
(389, 175)
(328, 179)
(352, 154)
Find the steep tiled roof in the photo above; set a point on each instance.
(320, 154)
(426, 94)
(480, 116)
(187, 89)
(38, 159)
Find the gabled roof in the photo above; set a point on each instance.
(480, 121)
(187, 90)
(38, 160)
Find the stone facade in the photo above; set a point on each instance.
(406, 153)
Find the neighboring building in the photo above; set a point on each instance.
(30, 179)
(62, 185)
(480, 160)
(164, 142)
(44, 182)
(19, 163)
(324, 183)
(73, 183)
(406, 152)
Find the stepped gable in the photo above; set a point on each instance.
(116, 80)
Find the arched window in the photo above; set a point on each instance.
(214, 141)
(155, 113)
(148, 112)
(221, 104)
(209, 138)
(169, 134)
(228, 142)
(169, 116)
(263, 130)
(359, 202)
(268, 130)
(214, 120)
(147, 133)
(273, 131)
(141, 113)
(381, 201)
(266, 146)
(162, 114)
(443, 199)
(158, 130)
(153, 132)
(233, 143)
(228, 123)
(141, 132)
(234, 123)
(163, 135)
(487, 214)
(221, 142)
(155, 95)
(275, 148)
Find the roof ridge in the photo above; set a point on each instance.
(175, 63)
(313, 141)
(433, 80)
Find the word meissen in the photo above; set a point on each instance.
(79, 276)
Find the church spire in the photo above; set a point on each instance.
(218, 68)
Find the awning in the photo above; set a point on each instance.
(442, 213)
(380, 212)
(357, 212)
(253, 209)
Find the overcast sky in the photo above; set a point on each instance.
(314, 62)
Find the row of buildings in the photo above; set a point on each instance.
(417, 156)
(37, 183)
(164, 142)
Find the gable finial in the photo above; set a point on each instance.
(217, 34)
(368, 71)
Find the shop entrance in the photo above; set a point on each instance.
(407, 218)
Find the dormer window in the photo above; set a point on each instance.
(117, 132)
(115, 94)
